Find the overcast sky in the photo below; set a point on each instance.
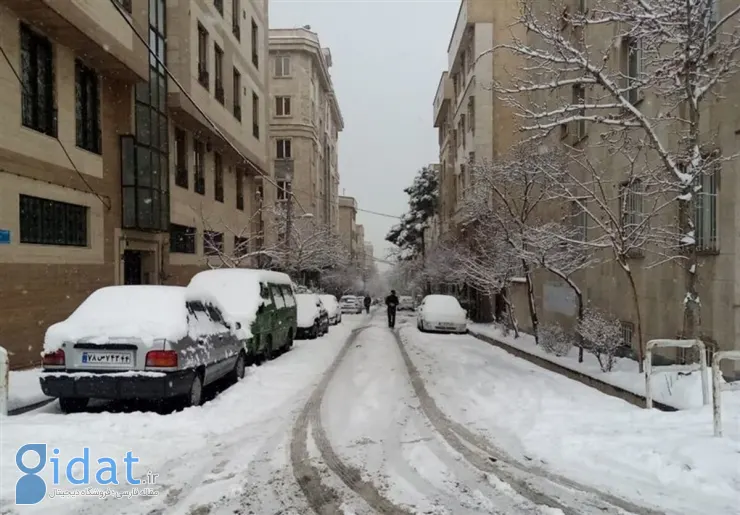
(387, 59)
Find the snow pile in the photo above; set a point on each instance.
(24, 388)
(307, 309)
(145, 312)
(669, 460)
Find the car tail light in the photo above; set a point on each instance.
(54, 359)
(161, 358)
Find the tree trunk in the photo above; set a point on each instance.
(579, 298)
(531, 302)
(636, 302)
(512, 316)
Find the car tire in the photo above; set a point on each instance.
(73, 404)
(314, 331)
(195, 394)
(289, 341)
(240, 368)
(420, 325)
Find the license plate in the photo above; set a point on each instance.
(446, 326)
(107, 359)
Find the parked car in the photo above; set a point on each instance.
(332, 307)
(313, 319)
(441, 313)
(405, 303)
(262, 302)
(350, 304)
(139, 342)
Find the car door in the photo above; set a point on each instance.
(267, 315)
(280, 329)
(225, 347)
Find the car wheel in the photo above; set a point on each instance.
(73, 404)
(195, 396)
(240, 367)
(289, 342)
(421, 327)
(314, 331)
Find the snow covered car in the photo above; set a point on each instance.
(350, 304)
(332, 307)
(441, 313)
(405, 303)
(139, 342)
(313, 319)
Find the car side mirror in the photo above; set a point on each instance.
(238, 325)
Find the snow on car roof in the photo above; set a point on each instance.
(437, 301)
(145, 312)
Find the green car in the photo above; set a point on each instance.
(260, 300)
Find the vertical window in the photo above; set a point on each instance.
(235, 25)
(200, 167)
(203, 78)
(471, 115)
(255, 115)
(240, 189)
(237, 87)
(705, 209)
(634, 69)
(282, 66)
(284, 150)
(255, 44)
(579, 218)
(181, 159)
(87, 108)
(282, 106)
(218, 71)
(282, 192)
(218, 177)
(182, 239)
(219, 5)
(49, 222)
(579, 98)
(241, 246)
(632, 209)
(37, 75)
(213, 243)
(712, 21)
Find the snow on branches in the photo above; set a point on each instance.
(602, 335)
(408, 235)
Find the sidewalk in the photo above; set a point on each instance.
(25, 391)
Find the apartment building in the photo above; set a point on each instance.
(348, 224)
(305, 122)
(66, 94)
(359, 246)
(473, 125)
(217, 52)
(369, 256)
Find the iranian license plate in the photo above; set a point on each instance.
(103, 359)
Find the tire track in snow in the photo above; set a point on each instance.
(323, 500)
(517, 475)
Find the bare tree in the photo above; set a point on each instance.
(248, 242)
(637, 75)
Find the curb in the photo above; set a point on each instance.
(606, 388)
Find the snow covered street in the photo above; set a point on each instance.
(365, 420)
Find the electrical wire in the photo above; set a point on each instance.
(61, 144)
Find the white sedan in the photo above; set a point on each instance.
(442, 313)
(332, 307)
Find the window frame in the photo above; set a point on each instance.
(202, 49)
(281, 64)
(51, 222)
(255, 115)
(199, 175)
(219, 92)
(254, 35)
(87, 108)
(236, 87)
(218, 177)
(182, 171)
(183, 239)
(284, 148)
(213, 243)
(283, 106)
(38, 108)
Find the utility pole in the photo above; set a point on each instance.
(288, 219)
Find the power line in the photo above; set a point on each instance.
(56, 136)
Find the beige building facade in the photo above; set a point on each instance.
(305, 122)
(348, 224)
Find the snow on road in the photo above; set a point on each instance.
(229, 452)
(669, 460)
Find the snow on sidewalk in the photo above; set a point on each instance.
(184, 448)
(678, 390)
(670, 460)
(24, 388)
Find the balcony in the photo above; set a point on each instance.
(442, 98)
(97, 30)
(470, 13)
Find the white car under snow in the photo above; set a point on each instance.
(442, 313)
(332, 308)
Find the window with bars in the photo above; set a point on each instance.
(634, 69)
(218, 71)
(237, 94)
(213, 243)
(579, 219)
(282, 106)
(50, 222)
(579, 98)
(255, 44)
(713, 20)
(240, 189)
(282, 66)
(199, 152)
(37, 77)
(282, 192)
(125, 4)
(219, 5)
(255, 115)
(182, 239)
(705, 209)
(218, 177)
(203, 77)
(631, 208)
(235, 25)
(283, 148)
(181, 158)
(87, 108)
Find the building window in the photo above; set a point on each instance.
(218, 71)
(282, 192)
(628, 332)
(634, 69)
(235, 25)
(255, 115)
(579, 218)
(219, 5)
(125, 4)
(37, 75)
(213, 243)
(237, 86)
(282, 106)
(282, 66)
(182, 239)
(218, 177)
(203, 78)
(241, 246)
(284, 149)
(713, 21)
(471, 115)
(579, 98)
(240, 189)
(705, 206)
(181, 159)
(87, 108)
(631, 210)
(200, 167)
(49, 222)
(255, 44)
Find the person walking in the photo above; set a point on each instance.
(367, 302)
(392, 302)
